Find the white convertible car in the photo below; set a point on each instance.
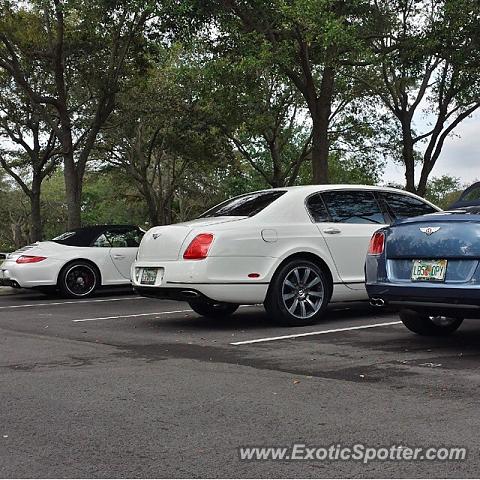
(293, 249)
(75, 263)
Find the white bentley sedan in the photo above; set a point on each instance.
(293, 249)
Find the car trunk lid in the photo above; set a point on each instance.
(454, 237)
(26, 250)
(435, 236)
(166, 242)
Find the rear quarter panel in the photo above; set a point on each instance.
(237, 252)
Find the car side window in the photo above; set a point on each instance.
(317, 208)
(404, 206)
(353, 207)
(101, 241)
(119, 238)
(133, 238)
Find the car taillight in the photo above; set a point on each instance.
(199, 246)
(30, 259)
(377, 244)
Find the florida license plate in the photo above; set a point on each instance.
(149, 276)
(429, 270)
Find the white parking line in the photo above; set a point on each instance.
(70, 302)
(142, 315)
(308, 334)
(130, 316)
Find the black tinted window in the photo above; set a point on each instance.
(76, 238)
(353, 207)
(244, 206)
(472, 195)
(404, 206)
(317, 208)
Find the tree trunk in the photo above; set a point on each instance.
(319, 152)
(277, 178)
(153, 215)
(422, 183)
(150, 200)
(73, 195)
(73, 185)
(167, 210)
(17, 235)
(321, 121)
(36, 228)
(408, 156)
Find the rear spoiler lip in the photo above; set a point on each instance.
(438, 218)
(464, 204)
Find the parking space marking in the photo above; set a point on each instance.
(130, 316)
(308, 334)
(142, 315)
(70, 302)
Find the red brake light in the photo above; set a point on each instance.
(30, 259)
(199, 246)
(377, 244)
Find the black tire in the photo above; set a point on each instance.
(281, 297)
(78, 279)
(212, 309)
(423, 324)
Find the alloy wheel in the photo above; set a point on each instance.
(303, 292)
(80, 280)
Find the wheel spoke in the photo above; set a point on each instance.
(313, 282)
(293, 307)
(303, 308)
(314, 307)
(288, 283)
(315, 294)
(297, 276)
(288, 296)
(306, 275)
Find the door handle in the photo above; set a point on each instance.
(332, 231)
(118, 257)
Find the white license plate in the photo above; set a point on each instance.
(429, 270)
(149, 276)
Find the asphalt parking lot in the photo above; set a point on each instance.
(121, 386)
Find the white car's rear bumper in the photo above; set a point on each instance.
(30, 275)
(223, 279)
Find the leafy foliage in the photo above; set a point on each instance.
(150, 112)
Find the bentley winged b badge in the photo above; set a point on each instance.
(429, 230)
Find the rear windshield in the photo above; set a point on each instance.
(404, 206)
(244, 206)
(78, 238)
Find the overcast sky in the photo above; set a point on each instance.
(459, 158)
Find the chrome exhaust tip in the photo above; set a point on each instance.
(377, 302)
(190, 294)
